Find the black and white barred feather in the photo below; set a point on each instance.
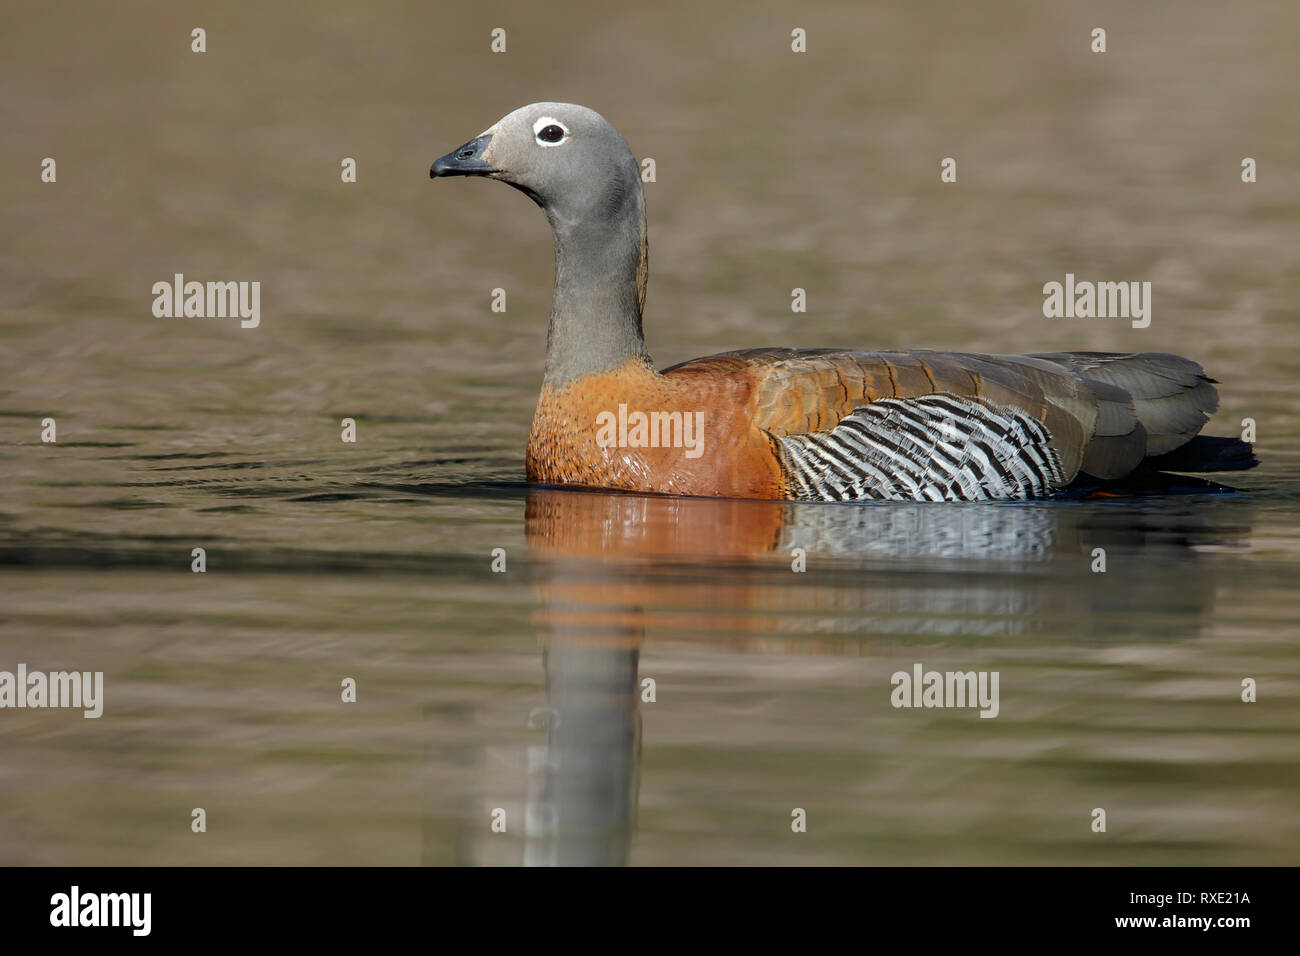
(939, 447)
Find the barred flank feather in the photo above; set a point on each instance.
(939, 447)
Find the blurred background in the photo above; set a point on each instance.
(523, 691)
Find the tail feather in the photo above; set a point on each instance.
(1169, 399)
(1207, 453)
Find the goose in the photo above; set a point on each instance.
(803, 424)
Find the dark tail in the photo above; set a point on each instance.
(1150, 407)
(1206, 453)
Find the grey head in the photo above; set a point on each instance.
(578, 168)
(566, 158)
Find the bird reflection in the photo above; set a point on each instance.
(812, 578)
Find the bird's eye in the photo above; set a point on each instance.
(550, 132)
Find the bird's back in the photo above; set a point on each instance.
(930, 424)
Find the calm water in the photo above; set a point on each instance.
(522, 690)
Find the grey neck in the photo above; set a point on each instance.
(600, 249)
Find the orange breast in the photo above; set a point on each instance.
(689, 431)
